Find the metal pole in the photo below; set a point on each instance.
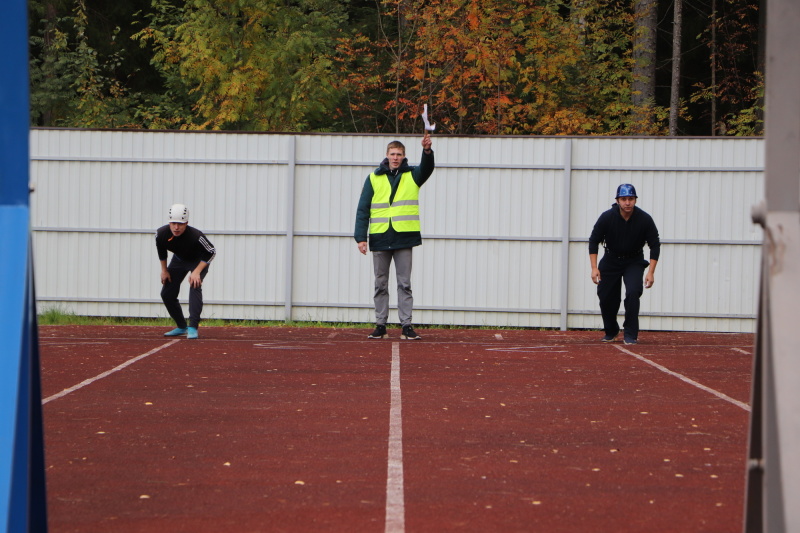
(23, 501)
(773, 473)
(565, 216)
(289, 259)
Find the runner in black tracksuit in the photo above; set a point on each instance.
(192, 252)
(623, 229)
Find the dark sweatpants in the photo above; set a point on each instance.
(613, 272)
(178, 270)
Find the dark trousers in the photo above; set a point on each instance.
(613, 272)
(178, 270)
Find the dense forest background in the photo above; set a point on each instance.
(547, 67)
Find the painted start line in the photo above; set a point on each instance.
(447, 368)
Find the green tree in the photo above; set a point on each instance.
(71, 83)
(482, 66)
(245, 64)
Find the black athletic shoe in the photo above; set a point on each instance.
(609, 338)
(631, 340)
(409, 334)
(379, 333)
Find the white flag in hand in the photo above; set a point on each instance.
(428, 126)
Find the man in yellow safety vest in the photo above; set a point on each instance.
(388, 219)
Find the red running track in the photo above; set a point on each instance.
(281, 429)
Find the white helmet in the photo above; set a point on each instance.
(179, 213)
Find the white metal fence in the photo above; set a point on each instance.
(505, 223)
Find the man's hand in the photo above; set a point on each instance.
(426, 141)
(362, 247)
(596, 276)
(195, 280)
(650, 276)
(165, 277)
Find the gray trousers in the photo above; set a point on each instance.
(381, 261)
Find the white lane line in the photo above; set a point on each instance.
(395, 500)
(740, 351)
(686, 380)
(107, 373)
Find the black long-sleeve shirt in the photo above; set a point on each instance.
(625, 237)
(192, 245)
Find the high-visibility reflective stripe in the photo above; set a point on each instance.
(379, 220)
(379, 206)
(405, 217)
(405, 202)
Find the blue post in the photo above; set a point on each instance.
(23, 505)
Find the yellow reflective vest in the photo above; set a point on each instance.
(402, 213)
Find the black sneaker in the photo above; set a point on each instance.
(379, 333)
(409, 334)
(631, 340)
(609, 338)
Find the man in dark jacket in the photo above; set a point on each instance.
(388, 218)
(191, 254)
(623, 230)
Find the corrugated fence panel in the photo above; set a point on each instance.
(511, 204)
(95, 266)
(502, 275)
(700, 192)
(331, 271)
(248, 269)
(492, 217)
(326, 198)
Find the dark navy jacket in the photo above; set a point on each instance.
(625, 238)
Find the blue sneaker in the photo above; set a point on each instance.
(609, 338)
(630, 340)
(175, 332)
(192, 334)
